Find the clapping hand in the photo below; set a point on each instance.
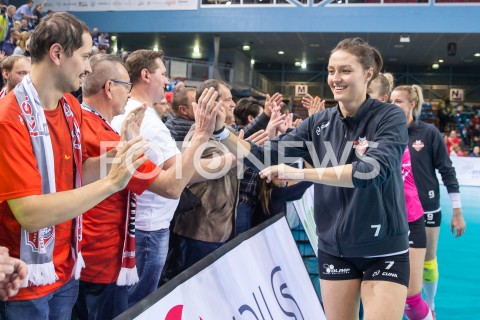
(13, 273)
(313, 105)
(131, 126)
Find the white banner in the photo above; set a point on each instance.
(467, 169)
(305, 212)
(262, 277)
(120, 5)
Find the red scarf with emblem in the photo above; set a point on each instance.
(36, 248)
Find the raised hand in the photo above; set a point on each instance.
(206, 111)
(259, 137)
(287, 124)
(277, 99)
(313, 105)
(129, 157)
(307, 101)
(297, 122)
(133, 121)
(276, 120)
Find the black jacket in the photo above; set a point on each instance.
(179, 127)
(259, 123)
(370, 219)
(428, 152)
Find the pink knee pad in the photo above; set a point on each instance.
(416, 308)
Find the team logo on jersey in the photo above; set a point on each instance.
(320, 128)
(418, 145)
(360, 146)
(40, 240)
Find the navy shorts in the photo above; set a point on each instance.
(433, 219)
(394, 268)
(417, 237)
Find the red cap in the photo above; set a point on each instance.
(169, 96)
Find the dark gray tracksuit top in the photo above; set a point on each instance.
(429, 152)
(370, 219)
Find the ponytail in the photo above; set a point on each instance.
(368, 56)
(418, 92)
(385, 81)
(415, 93)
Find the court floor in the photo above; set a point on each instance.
(458, 295)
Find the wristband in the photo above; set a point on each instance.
(455, 200)
(218, 131)
(221, 134)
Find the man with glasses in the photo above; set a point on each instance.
(148, 75)
(128, 85)
(105, 92)
(163, 109)
(109, 228)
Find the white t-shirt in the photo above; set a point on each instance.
(154, 212)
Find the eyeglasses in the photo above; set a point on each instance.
(128, 84)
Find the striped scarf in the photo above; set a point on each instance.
(128, 272)
(36, 248)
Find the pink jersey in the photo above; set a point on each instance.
(412, 201)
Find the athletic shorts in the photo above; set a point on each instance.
(417, 237)
(433, 219)
(394, 268)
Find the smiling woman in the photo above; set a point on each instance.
(364, 232)
(350, 71)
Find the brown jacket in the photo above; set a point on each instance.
(215, 219)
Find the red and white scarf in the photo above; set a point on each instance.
(128, 272)
(36, 248)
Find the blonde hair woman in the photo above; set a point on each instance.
(428, 153)
(22, 43)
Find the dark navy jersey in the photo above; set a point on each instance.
(369, 219)
(428, 152)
